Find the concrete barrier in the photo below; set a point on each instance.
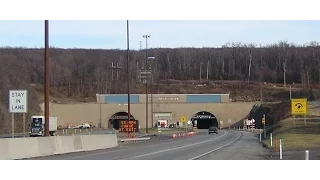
(16, 148)
(45, 146)
(68, 144)
(112, 141)
(31, 147)
(94, 142)
(77, 142)
(57, 144)
(21, 148)
(4, 149)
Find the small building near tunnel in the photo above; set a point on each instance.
(168, 109)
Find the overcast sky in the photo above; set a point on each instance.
(169, 33)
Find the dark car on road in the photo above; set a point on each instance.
(213, 129)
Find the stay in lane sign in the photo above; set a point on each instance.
(18, 101)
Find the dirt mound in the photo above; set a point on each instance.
(277, 111)
(278, 115)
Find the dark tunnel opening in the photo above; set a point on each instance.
(204, 119)
(114, 120)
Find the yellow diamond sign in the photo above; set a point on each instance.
(299, 106)
(183, 119)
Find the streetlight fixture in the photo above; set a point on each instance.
(151, 89)
(146, 65)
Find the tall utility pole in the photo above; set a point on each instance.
(138, 75)
(46, 77)
(200, 71)
(112, 67)
(284, 74)
(261, 94)
(151, 88)
(128, 73)
(208, 70)
(117, 69)
(146, 68)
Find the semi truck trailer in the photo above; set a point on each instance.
(37, 126)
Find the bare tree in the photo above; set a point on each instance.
(83, 72)
(251, 46)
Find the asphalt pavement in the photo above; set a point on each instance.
(226, 145)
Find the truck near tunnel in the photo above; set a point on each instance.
(37, 126)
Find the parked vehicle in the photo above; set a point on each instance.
(82, 126)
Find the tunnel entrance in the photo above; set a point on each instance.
(204, 119)
(116, 118)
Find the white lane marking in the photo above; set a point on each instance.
(171, 149)
(204, 154)
(100, 153)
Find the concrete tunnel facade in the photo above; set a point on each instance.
(166, 107)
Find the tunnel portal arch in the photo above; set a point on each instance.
(115, 118)
(204, 119)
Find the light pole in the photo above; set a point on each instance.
(128, 74)
(46, 77)
(146, 65)
(151, 89)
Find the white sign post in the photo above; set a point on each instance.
(221, 124)
(17, 104)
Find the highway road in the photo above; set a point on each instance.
(227, 145)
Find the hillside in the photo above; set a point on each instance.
(247, 72)
(296, 133)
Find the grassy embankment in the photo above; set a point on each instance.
(298, 133)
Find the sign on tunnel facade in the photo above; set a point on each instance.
(204, 117)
